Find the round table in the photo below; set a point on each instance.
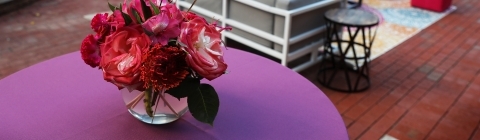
(63, 98)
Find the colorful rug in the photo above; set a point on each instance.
(398, 22)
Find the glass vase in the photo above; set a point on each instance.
(166, 110)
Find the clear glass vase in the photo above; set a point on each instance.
(166, 110)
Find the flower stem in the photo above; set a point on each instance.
(191, 5)
(135, 101)
(156, 102)
(168, 104)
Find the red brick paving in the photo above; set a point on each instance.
(428, 87)
(43, 30)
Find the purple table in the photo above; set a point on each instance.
(63, 98)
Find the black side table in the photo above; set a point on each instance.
(345, 64)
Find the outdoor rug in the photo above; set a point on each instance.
(398, 22)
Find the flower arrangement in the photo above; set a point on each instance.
(153, 47)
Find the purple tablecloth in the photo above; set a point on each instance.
(63, 98)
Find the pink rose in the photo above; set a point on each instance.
(122, 55)
(90, 51)
(204, 46)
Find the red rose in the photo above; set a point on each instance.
(204, 46)
(122, 55)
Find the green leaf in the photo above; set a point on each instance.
(173, 42)
(135, 13)
(147, 13)
(204, 105)
(127, 18)
(148, 32)
(188, 86)
(113, 8)
(155, 8)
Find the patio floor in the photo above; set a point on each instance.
(426, 88)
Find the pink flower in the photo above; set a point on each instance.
(90, 51)
(157, 2)
(128, 9)
(100, 25)
(137, 6)
(116, 20)
(173, 11)
(122, 55)
(165, 25)
(204, 46)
